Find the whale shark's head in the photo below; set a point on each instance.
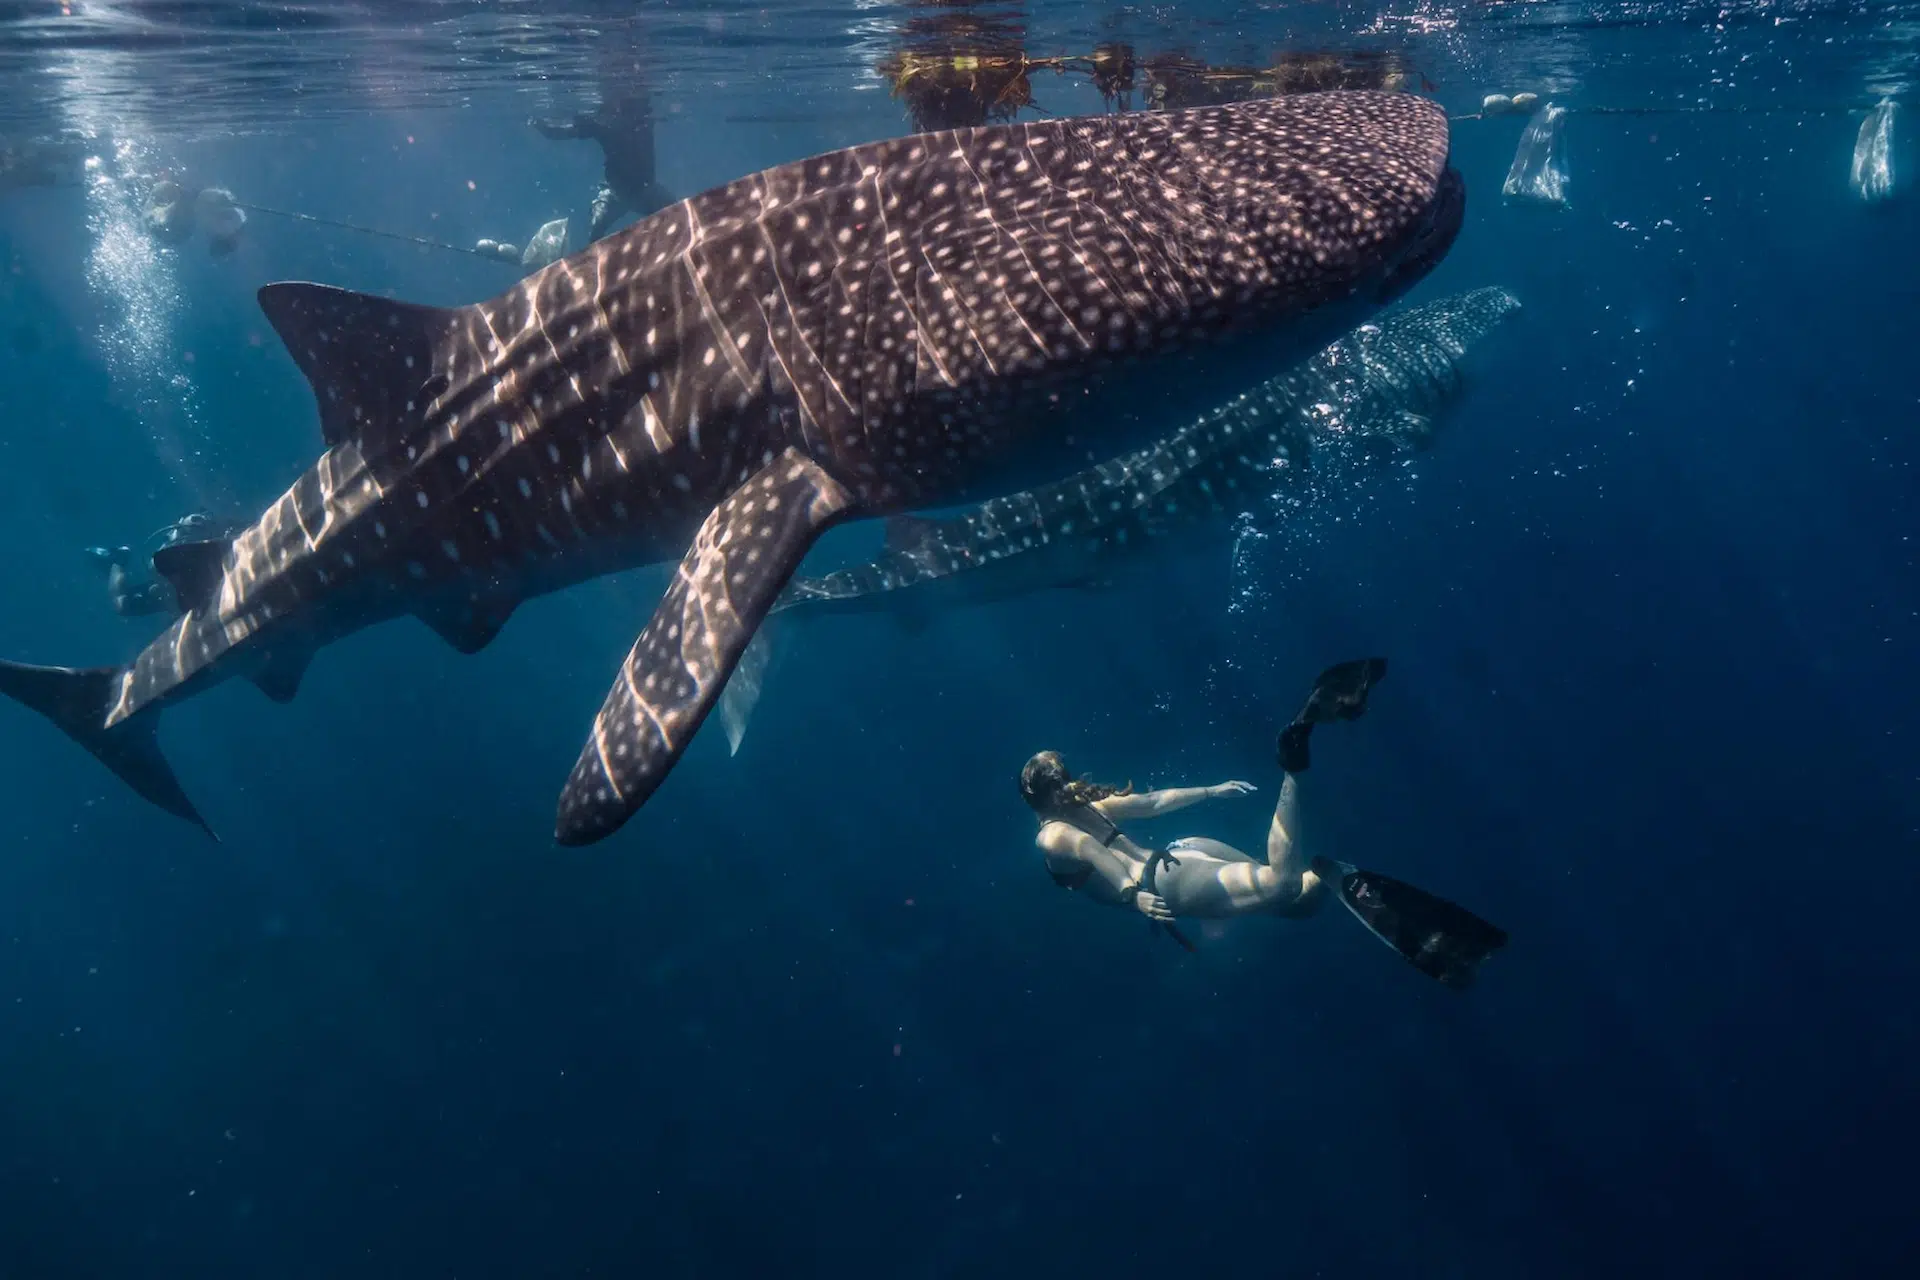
(1044, 253)
(1429, 240)
(1313, 199)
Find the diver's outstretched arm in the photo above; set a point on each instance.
(1151, 804)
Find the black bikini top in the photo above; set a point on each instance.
(1083, 817)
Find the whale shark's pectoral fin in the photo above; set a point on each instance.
(76, 699)
(194, 570)
(742, 556)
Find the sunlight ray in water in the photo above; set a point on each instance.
(130, 272)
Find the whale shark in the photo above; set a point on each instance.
(1371, 396)
(895, 326)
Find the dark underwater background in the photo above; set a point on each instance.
(1651, 605)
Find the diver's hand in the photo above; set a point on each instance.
(1152, 906)
(1221, 790)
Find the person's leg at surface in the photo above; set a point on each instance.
(608, 209)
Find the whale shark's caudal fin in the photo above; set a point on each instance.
(745, 551)
(77, 701)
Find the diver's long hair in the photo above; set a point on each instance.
(1048, 788)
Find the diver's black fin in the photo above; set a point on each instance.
(279, 675)
(1339, 693)
(194, 570)
(375, 364)
(746, 550)
(77, 700)
(1441, 939)
(469, 627)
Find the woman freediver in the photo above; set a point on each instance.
(1196, 877)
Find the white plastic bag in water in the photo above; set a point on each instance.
(549, 244)
(1873, 154)
(1539, 172)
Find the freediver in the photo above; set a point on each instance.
(140, 596)
(1199, 878)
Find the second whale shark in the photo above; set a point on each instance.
(1369, 397)
(898, 325)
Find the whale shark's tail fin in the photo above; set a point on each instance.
(1442, 940)
(77, 700)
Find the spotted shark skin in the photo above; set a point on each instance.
(900, 324)
(1378, 390)
(1381, 384)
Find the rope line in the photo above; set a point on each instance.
(422, 241)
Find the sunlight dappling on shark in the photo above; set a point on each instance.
(862, 333)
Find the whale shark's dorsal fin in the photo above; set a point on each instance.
(372, 361)
(193, 570)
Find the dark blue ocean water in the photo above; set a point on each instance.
(1652, 607)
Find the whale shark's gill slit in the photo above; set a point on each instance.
(740, 560)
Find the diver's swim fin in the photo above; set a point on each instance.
(1442, 940)
(77, 699)
(1340, 693)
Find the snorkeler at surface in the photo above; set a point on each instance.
(135, 597)
(623, 126)
(175, 211)
(1200, 878)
